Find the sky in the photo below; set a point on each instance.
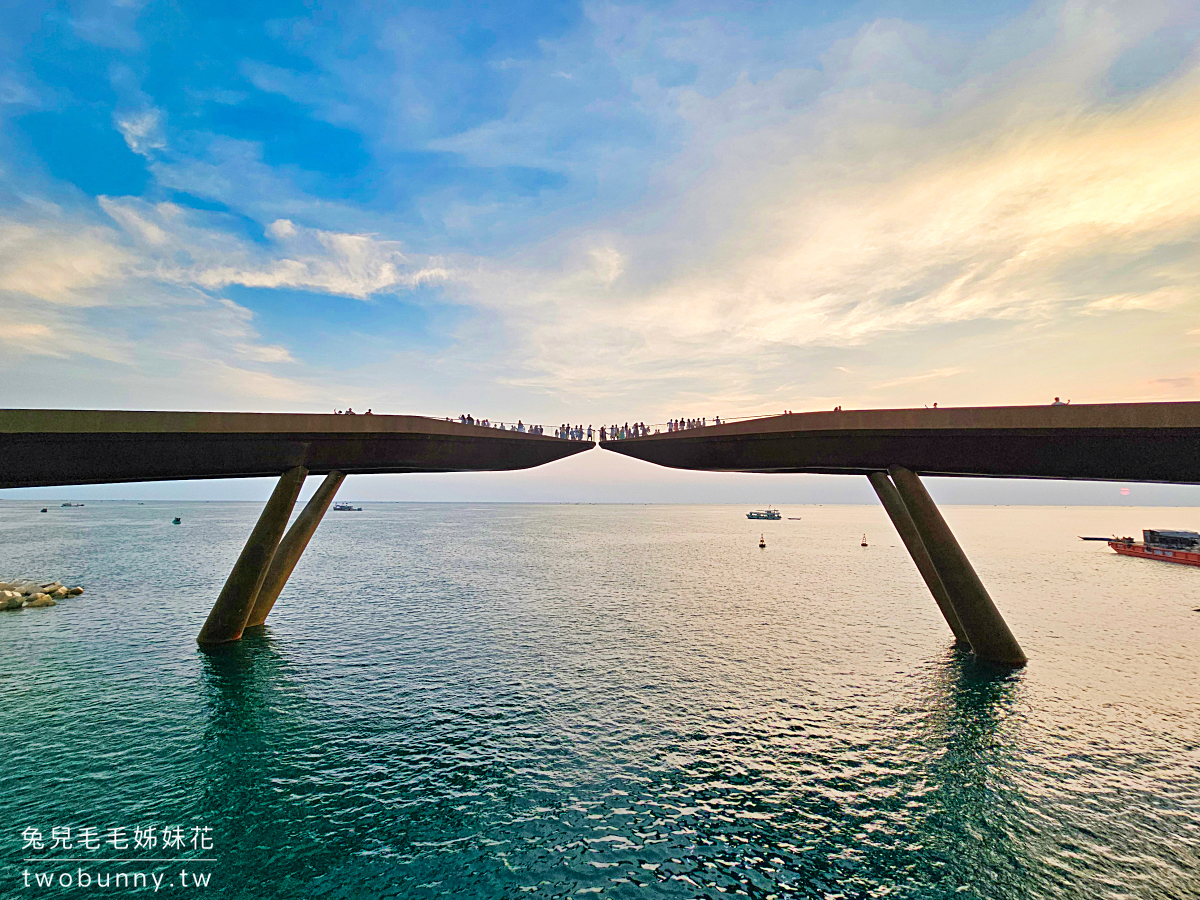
(599, 212)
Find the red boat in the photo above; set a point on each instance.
(1169, 546)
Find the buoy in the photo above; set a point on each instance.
(176, 521)
(864, 541)
(762, 540)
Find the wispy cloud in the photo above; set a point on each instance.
(914, 379)
(143, 130)
(59, 262)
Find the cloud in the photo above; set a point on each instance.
(897, 190)
(143, 131)
(181, 247)
(139, 297)
(353, 265)
(59, 262)
(914, 379)
(1180, 383)
(262, 353)
(726, 206)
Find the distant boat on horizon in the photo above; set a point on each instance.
(346, 507)
(769, 513)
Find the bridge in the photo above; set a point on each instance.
(893, 448)
(41, 447)
(1136, 442)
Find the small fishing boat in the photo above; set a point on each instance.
(177, 521)
(72, 504)
(44, 509)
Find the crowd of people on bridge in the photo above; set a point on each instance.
(687, 424)
(621, 432)
(641, 429)
(568, 432)
(468, 419)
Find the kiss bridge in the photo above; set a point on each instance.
(1128, 442)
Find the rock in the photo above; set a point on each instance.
(59, 594)
(74, 592)
(14, 601)
(40, 600)
(7, 585)
(28, 587)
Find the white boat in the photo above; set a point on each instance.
(346, 507)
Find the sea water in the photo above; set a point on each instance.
(620, 701)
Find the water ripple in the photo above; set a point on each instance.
(610, 701)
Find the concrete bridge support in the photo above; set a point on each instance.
(985, 628)
(907, 530)
(288, 553)
(229, 614)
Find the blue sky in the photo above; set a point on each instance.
(599, 211)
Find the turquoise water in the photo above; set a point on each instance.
(554, 701)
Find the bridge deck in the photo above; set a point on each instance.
(1147, 442)
(41, 447)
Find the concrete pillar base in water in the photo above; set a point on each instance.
(228, 616)
(900, 517)
(288, 553)
(990, 637)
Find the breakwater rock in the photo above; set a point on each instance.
(34, 594)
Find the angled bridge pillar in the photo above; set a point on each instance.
(907, 530)
(228, 616)
(288, 553)
(980, 620)
(266, 562)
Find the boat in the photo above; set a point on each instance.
(1169, 546)
(177, 521)
(769, 513)
(72, 504)
(44, 509)
(346, 507)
